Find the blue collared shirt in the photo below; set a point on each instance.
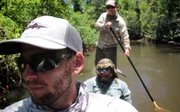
(119, 89)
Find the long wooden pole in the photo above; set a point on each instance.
(157, 107)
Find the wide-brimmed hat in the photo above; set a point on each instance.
(105, 63)
(46, 32)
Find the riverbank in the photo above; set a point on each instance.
(173, 42)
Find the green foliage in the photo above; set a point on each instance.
(83, 25)
(148, 19)
(9, 73)
(57, 8)
(95, 8)
(127, 11)
(20, 11)
(8, 28)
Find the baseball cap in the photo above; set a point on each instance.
(46, 32)
(110, 2)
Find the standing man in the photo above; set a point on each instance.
(50, 58)
(107, 43)
(106, 81)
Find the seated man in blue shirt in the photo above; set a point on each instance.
(107, 82)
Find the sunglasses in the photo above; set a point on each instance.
(42, 62)
(110, 7)
(104, 70)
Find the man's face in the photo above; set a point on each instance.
(111, 10)
(104, 74)
(49, 86)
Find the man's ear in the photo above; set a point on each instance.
(79, 63)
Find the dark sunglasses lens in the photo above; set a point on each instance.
(110, 7)
(104, 70)
(37, 64)
(43, 64)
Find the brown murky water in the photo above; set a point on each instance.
(159, 68)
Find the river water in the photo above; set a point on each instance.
(159, 68)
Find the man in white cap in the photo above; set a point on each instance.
(107, 43)
(107, 82)
(50, 58)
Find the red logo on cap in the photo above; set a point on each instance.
(35, 25)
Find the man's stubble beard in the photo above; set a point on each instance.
(104, 81)
(60, 86)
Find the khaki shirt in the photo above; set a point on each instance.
(106, 37)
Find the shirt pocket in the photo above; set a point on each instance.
(115, 92)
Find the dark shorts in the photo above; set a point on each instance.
(110, 53)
